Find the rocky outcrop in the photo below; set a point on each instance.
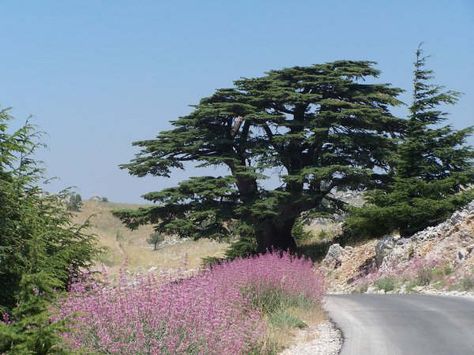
(450, 244)
(333, 258)
(383, 248)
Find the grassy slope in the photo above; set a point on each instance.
(124, 245)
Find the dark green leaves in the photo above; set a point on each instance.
(39, 247)
(318, 128)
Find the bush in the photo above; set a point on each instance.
(219, 311)
(467, 283)
(243, 247)
(385, 283)
(155, 239)
(74, 202)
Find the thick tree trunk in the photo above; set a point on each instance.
(275, 235)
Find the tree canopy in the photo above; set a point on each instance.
(432, 170)
(313, 129)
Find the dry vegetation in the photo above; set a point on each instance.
(286, 331)
(131, 247)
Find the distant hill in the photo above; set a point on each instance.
(124, 245)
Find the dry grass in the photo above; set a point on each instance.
(123, 245)
(282, 337)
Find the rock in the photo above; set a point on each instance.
(371, 289)
(461, 255)
(457, 217)
(401, 241)
(375, 291)
(320, 339)
(350, 249)
(383, 247)
(334, 255)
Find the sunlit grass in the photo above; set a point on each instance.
(131, 247)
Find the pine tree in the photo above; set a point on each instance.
(316, 129)
(433, 172)
(39, 247)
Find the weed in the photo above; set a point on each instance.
(467, 283)
(283, 319)
(386, 283)
(362, 287)
(424, 276)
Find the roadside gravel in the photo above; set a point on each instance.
(321, 339)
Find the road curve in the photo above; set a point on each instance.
(403, 324)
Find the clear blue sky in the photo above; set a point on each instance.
(97, 75)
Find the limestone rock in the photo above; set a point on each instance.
(383, 248)
(333, 258)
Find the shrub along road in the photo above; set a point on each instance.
(403, 324)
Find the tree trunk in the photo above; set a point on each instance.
(275, 235)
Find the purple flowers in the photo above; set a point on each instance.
(213, 312)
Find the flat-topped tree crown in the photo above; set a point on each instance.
(322, 127)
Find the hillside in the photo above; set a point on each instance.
(439, 259)
(123, 245)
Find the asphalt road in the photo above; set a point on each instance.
(403, 324)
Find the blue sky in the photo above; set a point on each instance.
(97, 75)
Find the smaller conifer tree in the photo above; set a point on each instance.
(40, 249)
(433, 171)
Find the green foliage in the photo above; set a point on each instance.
(155, 239)
(432, 170)
(316, 250)
(39, 247)
(74, 202)
(210, 261)
(323, 234)
(386, 283)
(299, 232)
(241, 248)
(283, 319)
(322, 127)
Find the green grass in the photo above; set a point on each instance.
(285, 314)
(284, 319)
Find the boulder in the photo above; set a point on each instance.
(461, 255)
(383, 248)
(334, 255)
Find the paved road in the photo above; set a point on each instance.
(404, 324)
